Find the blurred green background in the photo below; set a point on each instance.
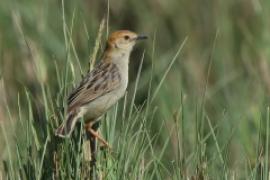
(222, 74)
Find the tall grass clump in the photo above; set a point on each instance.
(38, 154)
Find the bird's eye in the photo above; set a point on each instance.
(126, 37)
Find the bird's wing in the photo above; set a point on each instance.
(103, 79)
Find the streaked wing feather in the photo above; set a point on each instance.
(103, 79)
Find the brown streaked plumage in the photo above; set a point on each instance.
(103, 86)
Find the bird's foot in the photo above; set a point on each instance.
(98, 136)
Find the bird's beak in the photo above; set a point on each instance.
(141, 37)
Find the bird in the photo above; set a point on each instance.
(102, 87)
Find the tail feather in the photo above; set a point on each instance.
(66, 128)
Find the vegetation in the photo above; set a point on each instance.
(197, 105)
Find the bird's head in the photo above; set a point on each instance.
(123, 40)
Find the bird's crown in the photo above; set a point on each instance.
(123, 39)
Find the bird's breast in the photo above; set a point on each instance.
(99, 106)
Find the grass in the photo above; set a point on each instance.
(37, 147)
(196, 107)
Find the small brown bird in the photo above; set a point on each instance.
(101, 88)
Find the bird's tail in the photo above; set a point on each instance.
(66, 128)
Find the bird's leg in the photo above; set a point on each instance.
(94, 133)
(93, 148)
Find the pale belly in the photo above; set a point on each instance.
(101, 105)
